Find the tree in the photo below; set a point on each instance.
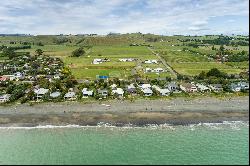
(202, 75)
(9, 52)
(78, 52)
(216, 73)
(39, 52)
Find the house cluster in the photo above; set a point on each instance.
(156, 70)
(29, 69)
(99, 61)
(133, 89)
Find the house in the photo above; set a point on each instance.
(158, 70)
(118, 91)
(19, 75)
(150, 61)
(148, 70)
(202, 88)
(145, 86)
(188, 87)
(113, 86)
(97, 61)
(55, 94)
(40, 92)
(70, 96)
(244, 85)
(216, 87)
(86, 93)
(163, 92)
(172, 86)
(10, 77)
(235, 87)
(3, 78)
(103, 92)
(126, 59)
(4, 98)
(147, 92)
(131, 89)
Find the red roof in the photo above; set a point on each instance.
(3, 78)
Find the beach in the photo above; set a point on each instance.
(178, 111)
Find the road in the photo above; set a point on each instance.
(174, 73)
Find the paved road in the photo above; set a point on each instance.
(164, 63)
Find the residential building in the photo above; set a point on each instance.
(188, 87)
(4, 98)
(216, 87)
(86, 93)
(40, 92)
(70, 96)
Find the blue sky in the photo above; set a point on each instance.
(165, 17)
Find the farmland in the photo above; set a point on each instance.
(175, 50)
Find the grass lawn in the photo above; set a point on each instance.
(195, 68)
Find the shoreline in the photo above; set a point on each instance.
(121, 113)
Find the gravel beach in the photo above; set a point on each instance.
(179, 111)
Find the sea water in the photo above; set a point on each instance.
(225, 143)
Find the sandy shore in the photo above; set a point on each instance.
(177, 111)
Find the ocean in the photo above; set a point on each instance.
(225, 143)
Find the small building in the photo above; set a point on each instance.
(70, 96)
(3, 78)
(163, 92)
(131, 89)
(4, 98)
(188, 87)
(103, 92)
(145, 86)
(216, 87)
(118, 91)
(148, 70)
(235, 87)
(147, 92)
(202, 88)
(86, 93)
(55, 94)
(113, 86)
(40, 92)
(151, 61)
(158, 70)
(172, 86)
(97, 61)
(244, 85)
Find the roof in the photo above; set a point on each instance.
(118, 91)
(144, 86)
(55, 94)
(70, 94)
(216, 85)
(41, 91)
(187, 85)
(147, 90)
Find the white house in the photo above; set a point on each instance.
(202, 88)
(216, 87)
(188, 87)
(163, 92)
(40, 92)
(113, 86)
(147, 92)
(97, 61)
(148, 70)
(4, 98)
(118, 91)
(150, 61)
(70, 96)
(158, 70)
(145, 86)
(86, 93)
(55, 94)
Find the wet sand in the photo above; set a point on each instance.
(180, 111)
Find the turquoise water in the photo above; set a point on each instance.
(199, 144)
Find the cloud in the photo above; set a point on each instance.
(102, 16)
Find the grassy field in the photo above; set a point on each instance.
(195, 68)
(116, 47)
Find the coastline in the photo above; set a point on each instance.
(179, 111)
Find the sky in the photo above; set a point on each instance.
(163, 17)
